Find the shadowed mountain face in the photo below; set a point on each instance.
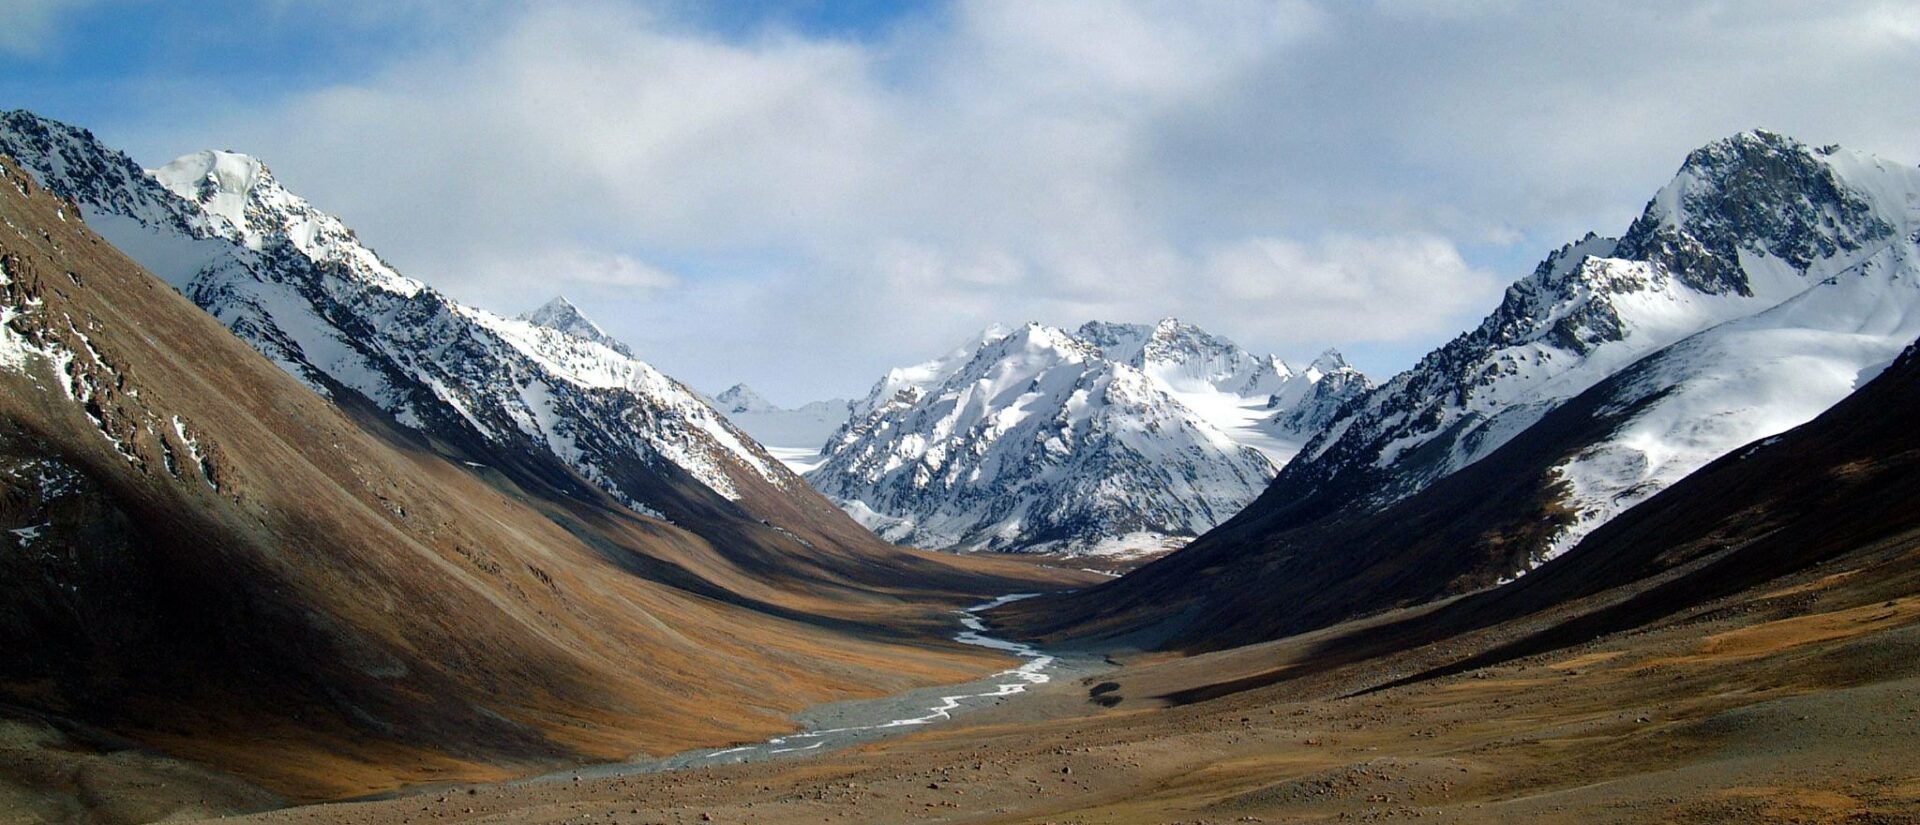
(1828, 503)
(1768, 281)
(1844, 483)
(206, 557)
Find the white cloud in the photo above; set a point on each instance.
(557, 268)
(1295, 174)
(1350, 288)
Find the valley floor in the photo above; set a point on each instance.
(1797, 701)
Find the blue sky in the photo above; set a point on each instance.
(126, 63)
(802, 194)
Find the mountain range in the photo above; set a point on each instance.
(1115, 439)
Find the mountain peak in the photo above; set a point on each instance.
(559, 304)
(227, 170)
(741, 398)
(1040, 440)
(296, 283)
(1751, 140)
(1329, 361)
(1036, 334)
(558, 313)
(1760, 193)
(72, 163)
(222, 182)
(561, 315)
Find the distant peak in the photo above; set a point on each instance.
(559, 307)
(1766, 136)
(1170, 329)
(1034, 336)
(1110, 331)
(992, 333)
(1742, 146)
(560, 315)
(1330, 361)
(1028, 331)
(741, 398)
(1035, 329)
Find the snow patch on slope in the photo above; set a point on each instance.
(1744, 381)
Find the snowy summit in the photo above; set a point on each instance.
(561, 315)
(1115, 439)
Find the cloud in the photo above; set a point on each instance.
(1353, 288)
(1294, 174)
(557, 268)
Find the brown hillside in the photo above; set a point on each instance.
(207, 558)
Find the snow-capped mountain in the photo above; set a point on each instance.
(295, 283)
(1186, 357)
(1258, 400)
(739, 399)
(1036, 439)
(1760, 286)
(561, 315)
(1760, 375)
(794, 436)
(1765, 283)
(1313, 397)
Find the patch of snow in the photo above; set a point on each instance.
(1744, 381)
(798, 459)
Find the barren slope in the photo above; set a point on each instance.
(205, 557)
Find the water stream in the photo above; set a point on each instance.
(842, 723)
(1007, 683)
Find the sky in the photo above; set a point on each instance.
(800, 195)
